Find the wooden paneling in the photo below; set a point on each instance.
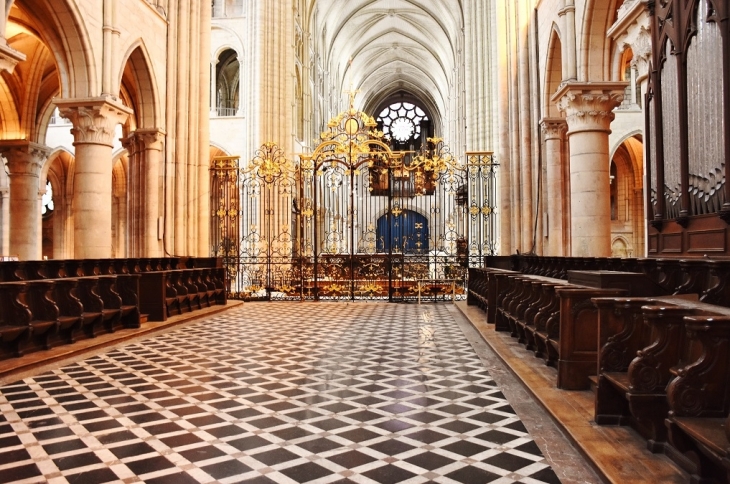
(706, 234)
(707, 241)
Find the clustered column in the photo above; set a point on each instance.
(25, 161)
(151, 142)
(554, 131)
(589, 110)
(94, 122)
(144, 147)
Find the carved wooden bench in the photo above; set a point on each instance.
(15, 314)
(577, 343)
(699, 402)
(643, 342)
(70, 311)
(52, 302)
(43, 312)
(555, 319)
(171, 292)
(621, 334)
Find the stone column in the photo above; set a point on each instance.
(570, 62)
(554, 130)
(94, 121)
(42, 190)
(151, 142)
(589, 110)
(135, 195)
(241, 88)
(5, 218)
(25, 161)
(9, 57)
(213, 88)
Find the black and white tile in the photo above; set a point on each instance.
(275, 392)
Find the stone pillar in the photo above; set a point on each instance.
(94, 121)
(203, 209)
(25, 161)
(241, 88)
(589, 110)
(554, 130)
(39, 207)
(151, 142)
(213, 88)
(5, 220)
(570, 62)
(135, 195)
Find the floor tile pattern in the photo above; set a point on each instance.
(274, 393)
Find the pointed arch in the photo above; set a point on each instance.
(553, 73)
(627, 206)
(595, 46)
(138, 80)
(60, 26)
(218, 150)
(9, 119)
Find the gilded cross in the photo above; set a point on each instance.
(352, 93)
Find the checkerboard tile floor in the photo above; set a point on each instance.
(274, 393)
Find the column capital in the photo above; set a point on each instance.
(641, 47)
(9, 57)
(94, 119)
(144, 139)
(632, 29)
(554, 128)
(589, 106)
(24, 157)
(131, 144)
(151, 138)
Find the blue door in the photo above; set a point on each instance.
(408, 233)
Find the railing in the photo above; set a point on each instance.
(227, 11)
(225, 112)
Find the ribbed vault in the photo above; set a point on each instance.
(385, 47)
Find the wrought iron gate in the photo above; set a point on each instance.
(353, 220)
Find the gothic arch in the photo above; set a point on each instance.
(138, 79)
(9, 119)
(237, 49)
(595, 63)
(621, 247)
(553, 73)
(411, 93)
(633, 142)
(627, 220)
(218, 150)
(228, 80)
(60, 27)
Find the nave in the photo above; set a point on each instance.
(287, 393)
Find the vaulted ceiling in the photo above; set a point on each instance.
(388, 47)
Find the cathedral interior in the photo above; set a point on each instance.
(372, 241)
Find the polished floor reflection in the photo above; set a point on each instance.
(275, 392)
